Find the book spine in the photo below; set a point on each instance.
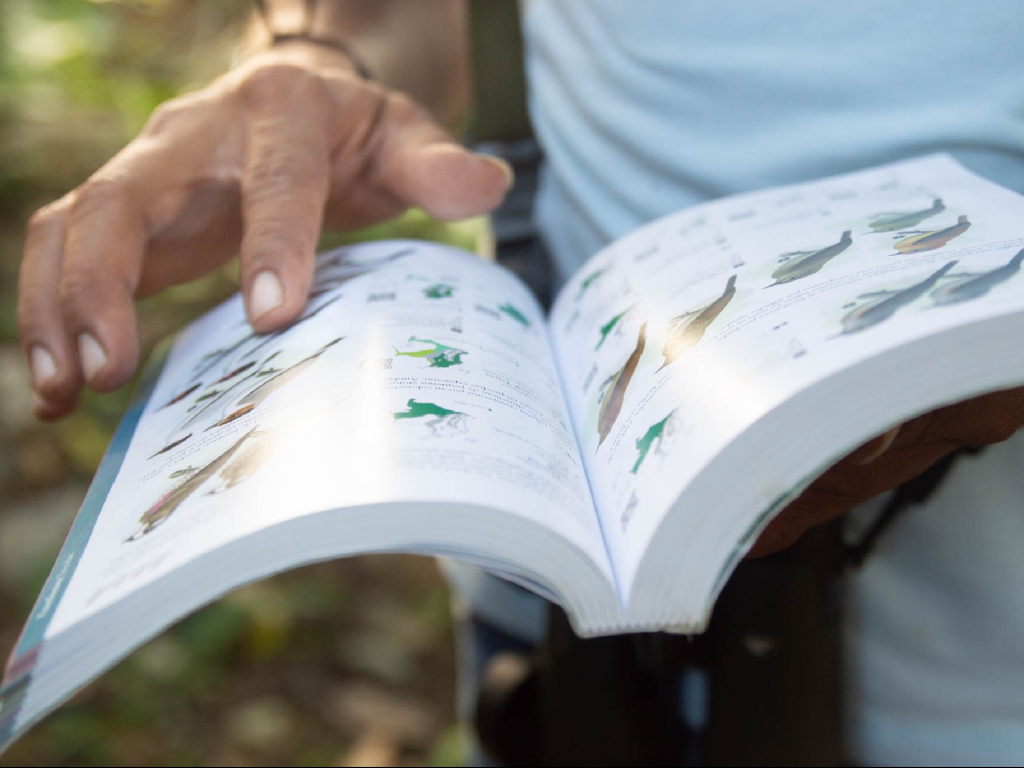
(18, 671)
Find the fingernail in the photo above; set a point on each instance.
(266, 294)
(44, 367)
(92, 355)
(510, 176)
(885, 445)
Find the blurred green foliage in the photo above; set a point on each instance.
(78, 79)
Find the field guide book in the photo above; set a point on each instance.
(618, 457)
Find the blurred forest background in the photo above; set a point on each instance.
(338, 664)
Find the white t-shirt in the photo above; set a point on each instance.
(935, 624)
(646, 107)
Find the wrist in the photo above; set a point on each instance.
(296, 51)
(315, 42)
(299, 25)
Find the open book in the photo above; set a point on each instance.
(619, 457)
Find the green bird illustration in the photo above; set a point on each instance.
(800, 264)
(439, 291)
(893, 222)
(515, 314)
(652, 436)
(589, 280)
(437, 355)
(440, 421)
(416, 410)
(610, 326)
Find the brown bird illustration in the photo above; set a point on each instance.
(167, 504)
(685, 331)
(929, 241)
(614, 389)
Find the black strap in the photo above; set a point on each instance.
(911, 493)
(305, 34)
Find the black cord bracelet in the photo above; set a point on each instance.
(308, 37)
(327, 42)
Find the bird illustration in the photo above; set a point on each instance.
(652, 438)
(967, 286)
(441, 421)
(685, 331)
(265, 389)
(800, 264)
(254, 453)
(884, 304)
(893, 222)
(930, 241)
(169, 503)
(437, 355)
(613, 391)
(613, 324)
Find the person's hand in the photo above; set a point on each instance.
(253, 164)
(892, 459)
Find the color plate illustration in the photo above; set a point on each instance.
(686, 330)
(797, 265)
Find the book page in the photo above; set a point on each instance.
(675, 339)
(417, 372)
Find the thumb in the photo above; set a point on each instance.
(423, 166)
(873, 449)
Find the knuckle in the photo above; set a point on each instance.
(27, 318)
(404, 108)
(271, 84)
(94, 195)
(999, 429)
(77, 292)
(273, 172)
(165, 115)
(272, 243)
(269, 179)
(43, 218)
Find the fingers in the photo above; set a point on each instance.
(84, 255)
(76, 316)
(284, 188)
(52, 355)
(103, 251)
(983, 420)
(853, 481)
(423, 166)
